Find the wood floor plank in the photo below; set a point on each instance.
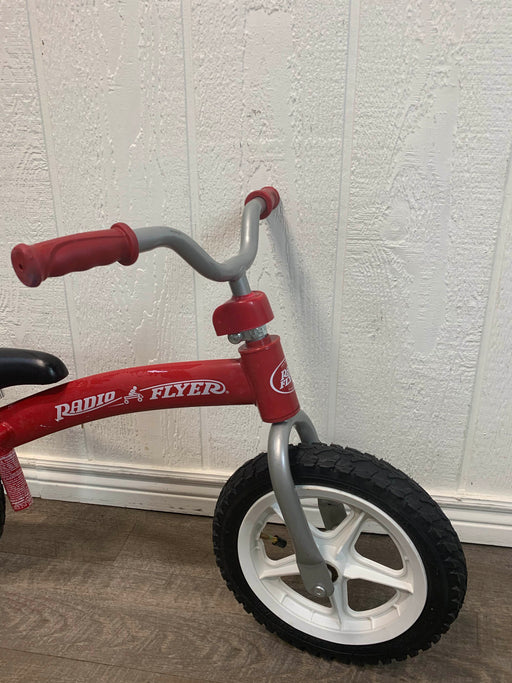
(133, 595)
(112, 585)
(20, 667)
(159, 542)
(59, 529)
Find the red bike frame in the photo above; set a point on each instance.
(259, 377)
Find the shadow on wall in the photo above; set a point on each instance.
(302, 294)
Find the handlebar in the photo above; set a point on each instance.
(85, 250)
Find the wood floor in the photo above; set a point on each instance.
(91, 593)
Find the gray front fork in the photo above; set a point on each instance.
(313, 570)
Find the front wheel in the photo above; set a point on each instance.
(397, 566)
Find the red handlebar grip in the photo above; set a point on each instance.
(270, 196)
(34, 263)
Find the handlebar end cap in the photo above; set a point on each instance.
(269, 195)
(26, 265)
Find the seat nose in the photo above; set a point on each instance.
(21, 366)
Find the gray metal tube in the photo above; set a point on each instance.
(313, 570)
(231, 270)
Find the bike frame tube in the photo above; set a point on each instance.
(313, 570)
(151, 387)
(259, 377)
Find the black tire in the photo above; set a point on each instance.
(2, 509)
(361, 483)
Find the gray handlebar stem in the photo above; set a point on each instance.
(231, 270)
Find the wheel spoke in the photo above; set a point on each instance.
(339, 600)
(348, 531)
(286, 566)
(367, 570)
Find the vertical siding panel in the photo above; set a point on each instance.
(270, 88)
(116, 100)
(191, 117)
(30, 319)
(428, 169)
(487, 466)
(344, 200)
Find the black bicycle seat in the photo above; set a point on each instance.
(20, 366)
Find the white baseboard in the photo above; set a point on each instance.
(191, 493)
(476, 520)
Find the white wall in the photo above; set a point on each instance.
(385, 127)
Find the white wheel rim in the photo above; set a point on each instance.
(337, 623)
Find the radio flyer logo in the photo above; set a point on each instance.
(281, 380)
(199, 387)
(85, 405)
